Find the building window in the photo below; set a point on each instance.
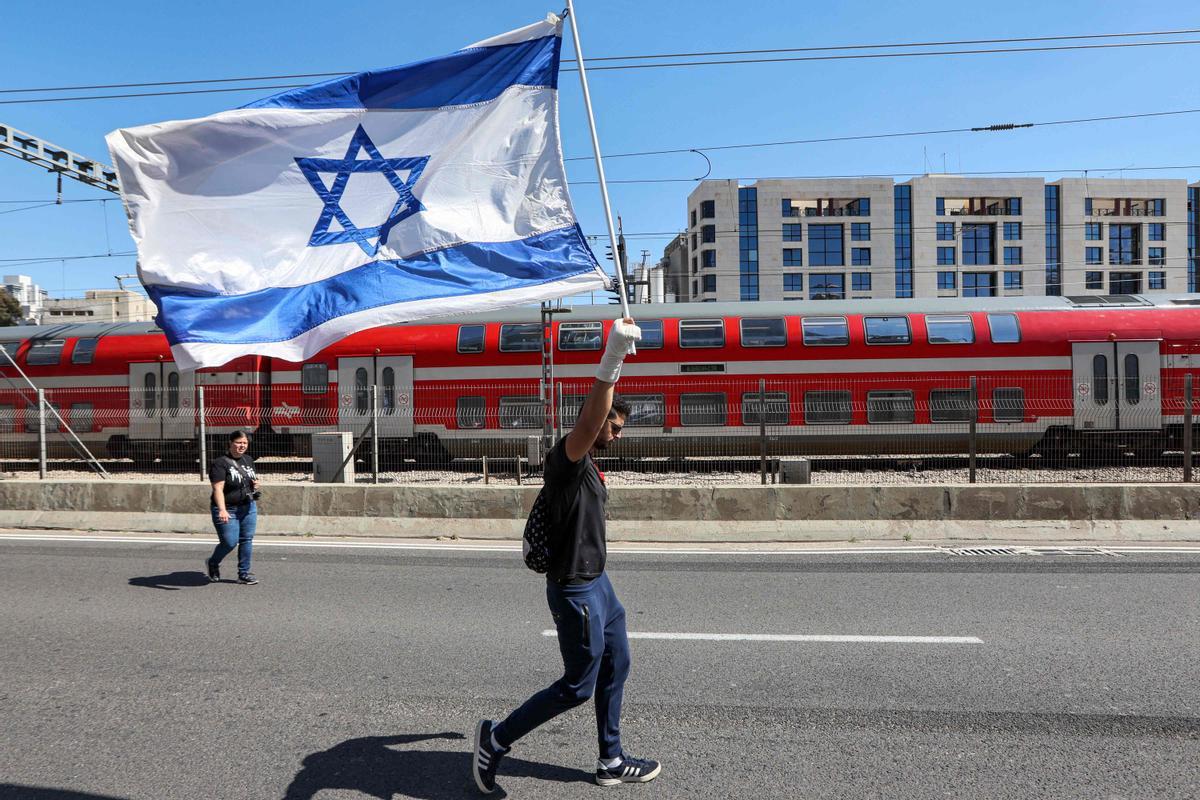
(860, 256)
(793, 282)
(1012, 230)
(1124, 283)
(1157, 256)
(695, 244)
(860, 231)
(1013, 206)
(747, 245)
(826, 286)
(708, 209)
(860, 282)
(825, 246)
(979, 284)
(1094, 255)
(792, 231)
(945, 231)
(977, 246)
(1012, 280)
(860, 207)
(902, 234)
(789, 210)
(1158, 280)
(1053, 265)
(709, 283)
(1093, 280)
(1012, 256)
(940, 207)
(947, 281)
(708, 258)
(1156, 232)
(793, 257)
(708, 234)
(695, 265)
(1087, 206)
(1093, 231)
(693, 217)
(1156, 208)
(945, 256)
(1123, 245)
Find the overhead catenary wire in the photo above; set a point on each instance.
(633, 66)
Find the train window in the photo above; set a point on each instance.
(521, 337)
(827, 408)
(1100, 380)
(362, 392)
(580, 336)
(389, 391)
(81, 417)
(646, 410)
(702, 408)
(887, 330)
(1008, 404)
(950, 329)
(701, 333)
(10, 351)
(8, 419)
(173, 393)
(314, 378)
(31, 417)
(521, 412)
(890, 406)
(1133, 389)
(1005, 328)
(470, 338)
(45, 352)
(950, 405)
(777, 408)
(652, 334)
(469, 412)
(763, 333)
(825, 330)
(85, 351)
(150, 394)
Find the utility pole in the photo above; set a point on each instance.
(623, 260)
(59, 160)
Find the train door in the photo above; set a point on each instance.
(393, 378)
(1116, 385)
(161, 401)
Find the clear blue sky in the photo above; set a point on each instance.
(81, 43)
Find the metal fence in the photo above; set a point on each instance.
(887, 428)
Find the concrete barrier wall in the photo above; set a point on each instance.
(658, 513)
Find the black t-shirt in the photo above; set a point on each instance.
(576, 498)
(237, 489)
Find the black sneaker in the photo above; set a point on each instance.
(486, 758)
(214, 571)
(630, 770)
(247, 579)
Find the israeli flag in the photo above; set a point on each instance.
(428, 189)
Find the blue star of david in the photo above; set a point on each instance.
(406, 204)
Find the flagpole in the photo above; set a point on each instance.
(608, 217)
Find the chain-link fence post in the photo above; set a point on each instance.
(762, 430)
(203, 434)
(1187, 428)
(41, 401)
(374, 433)
(974, 430)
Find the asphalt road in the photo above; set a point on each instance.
(355, 673)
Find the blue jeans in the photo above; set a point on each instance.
(595, 652)
(238, 532)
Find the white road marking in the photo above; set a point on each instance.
(799, 637)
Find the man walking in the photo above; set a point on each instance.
(589, 618)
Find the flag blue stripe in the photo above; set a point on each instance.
(279, 314)
(461, 78)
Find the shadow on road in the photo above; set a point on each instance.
(369, 765)
(12, 791)
(172, 581)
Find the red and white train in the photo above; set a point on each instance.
(1066, 374)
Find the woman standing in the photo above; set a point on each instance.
(234, 512)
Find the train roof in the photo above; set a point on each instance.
(587, 313)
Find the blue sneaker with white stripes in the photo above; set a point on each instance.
(486, 757)
(629, 770)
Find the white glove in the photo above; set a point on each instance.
(621, 340)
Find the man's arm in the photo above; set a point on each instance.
(621, 339)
